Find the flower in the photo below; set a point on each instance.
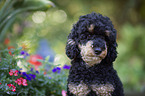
(22, 81)
(34, 60)
(11, 72)
(7, 41)
(66, 67)
(31, 70)
(32, 75)
(56, 69)
(24, 53)
(44, 73)
(9, 48)
(37, 72)
(15, 73)
(0, 83)
(18, 81)
(29, 76)
(13, 87)
(63, 92)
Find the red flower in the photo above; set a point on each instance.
(44, 73)
(34, 60)
(10, 47)
(13, 87)
(7, 41)
(0, 83)
(22, 81)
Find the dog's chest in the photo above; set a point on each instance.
(83, 89)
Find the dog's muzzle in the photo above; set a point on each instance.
(93, 52)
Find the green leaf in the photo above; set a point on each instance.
(33, 5)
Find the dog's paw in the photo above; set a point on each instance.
(103, 89)
(79, 90)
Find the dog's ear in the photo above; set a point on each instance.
(111, 54)
(111, 35)
(72, 50)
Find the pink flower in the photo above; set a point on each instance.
(0, 83)
(22, 81)
(18, 81)
(63, 92)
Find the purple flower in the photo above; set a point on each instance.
(22, 52)
(31, 69)
(56, 69)
(66, 67)
(29, 76)
(37, 72)
(33, 76)
(27, 54)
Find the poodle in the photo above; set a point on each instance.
(91, 46)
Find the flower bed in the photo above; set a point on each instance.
(30, 75)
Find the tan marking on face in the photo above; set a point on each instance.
(91, 28)
(79, 90)
(89, 56)
(107, 33)
(70, 41)
(104, 53)
(103, 89)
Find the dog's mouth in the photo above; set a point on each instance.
(91, 56)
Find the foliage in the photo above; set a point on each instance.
(130, 63)
(12, 8)
(44, 81)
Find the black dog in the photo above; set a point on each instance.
(92, 47)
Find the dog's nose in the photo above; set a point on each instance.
(97, 51)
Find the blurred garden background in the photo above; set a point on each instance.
(38, 29)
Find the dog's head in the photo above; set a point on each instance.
(93, 38)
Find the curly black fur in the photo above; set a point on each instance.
(99, 73)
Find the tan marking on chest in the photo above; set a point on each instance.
(103, 89)
(79, 90)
